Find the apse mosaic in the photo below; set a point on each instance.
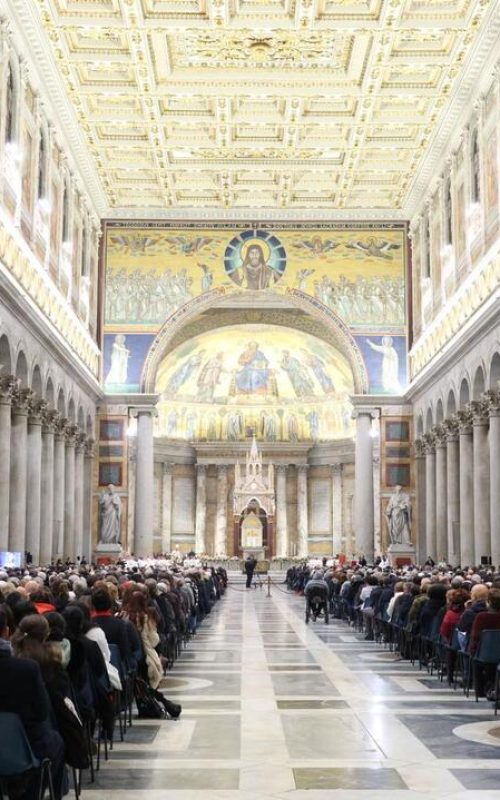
(153, 271)
(276, 382)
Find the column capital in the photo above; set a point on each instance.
(337, 469)
(21, 400)
(492, 400)
(281, 469)
(429, 443)
(464, 417)
(302, 468)
(49, 420)
(36, 411)
(222, 469)
(89, 447)
(60, 423)
(81, 442)
(365, 411)
(146, 409)
(440, 436)
(419, 446)
(8, 385)
(70, 435)
(201, 469)
(480, 412)
(168, 467)
(451, 426)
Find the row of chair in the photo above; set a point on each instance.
(431, 652)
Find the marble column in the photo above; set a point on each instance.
(59, 469)
(494, 442)
(34, 476)
(466, 489)
(337, 508)
(220, 545)
(8, 385)
(144, 483)
(166, 508)
(81, 440)
(69, 492)
(201, 509)
(302, 511)
(453, 490)
(364, 520)
(19, 470)
(481, 480)
(49, 419)
(441, 494)
(421, 500)
(88, 470)
(281, 512)
(430, 495)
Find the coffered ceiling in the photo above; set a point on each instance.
(294, 105)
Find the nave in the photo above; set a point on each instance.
(273, 708)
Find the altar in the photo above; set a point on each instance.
(254, 507)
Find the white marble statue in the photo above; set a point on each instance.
(390, 363)
(119, 362)
(110, 511)
(398, 513)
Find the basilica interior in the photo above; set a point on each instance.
(190, 260)
(249, 342)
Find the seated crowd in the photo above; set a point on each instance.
(434, 615)
(75, 643)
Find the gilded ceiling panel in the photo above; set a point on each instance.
(288, 103)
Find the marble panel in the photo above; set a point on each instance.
(329, 737)
(309, 685)
(165, 779)
(478, 779)
(436, 733)
(316, 705)
(348, 778)
(289, 656)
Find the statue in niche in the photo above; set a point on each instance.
(110, 512)
(398, 513)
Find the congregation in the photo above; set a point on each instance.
(79, 646)
(447, 621)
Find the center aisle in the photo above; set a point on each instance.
(273, 708)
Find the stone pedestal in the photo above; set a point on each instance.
(106, 553)
(401, 554)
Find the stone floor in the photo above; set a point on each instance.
(273, 708)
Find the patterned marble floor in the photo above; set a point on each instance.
(273, 708)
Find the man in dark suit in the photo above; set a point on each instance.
(250, 564)
(23, 692)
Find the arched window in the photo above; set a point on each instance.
(475, 169)
(42, 166)
(448, 224)
(65, 214)
(10, 106)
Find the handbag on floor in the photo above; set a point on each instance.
(173, 710)
(148, 705)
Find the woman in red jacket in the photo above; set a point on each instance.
(456, 600)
